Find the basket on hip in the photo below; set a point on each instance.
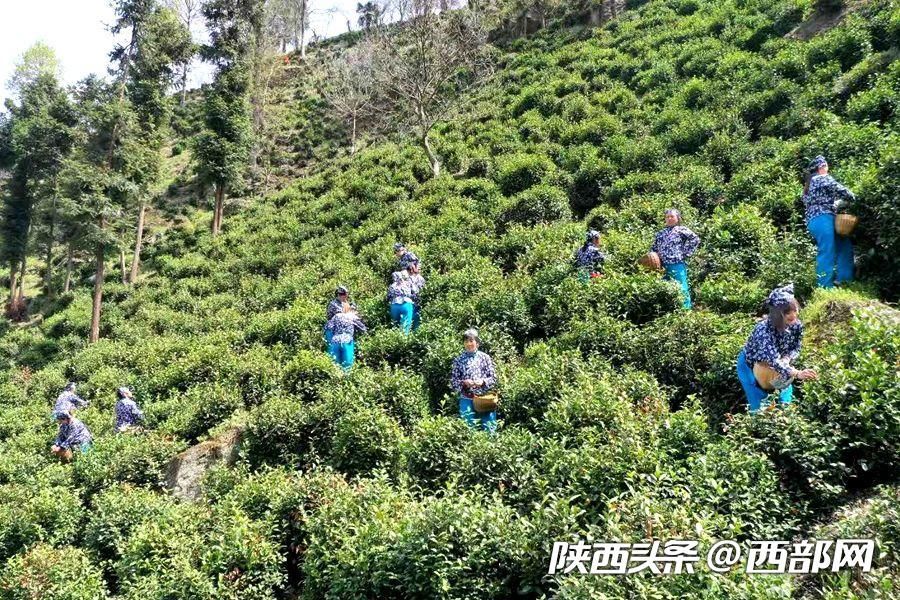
(844, 224)
(768, 378)
(486, 402)
(651, 261)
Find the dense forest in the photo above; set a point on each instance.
(185, 243)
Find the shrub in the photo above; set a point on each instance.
(365, 439)
(460, 547)
(591, 175)
(596, 129)
(260, 373)
(735, 239)
(136, 459)
(115, 513)
(285, 431)
(400, 394)
(858, 393)
(432, 451)
(696, 353)
(804, 452)
(519, 172)
(538, 383)
(638, 298)
(184, 555)
(600, 335)
(741, 487)
(880, 235)
(503, 468)
(29, 515)
(538, 97)
(731, 292)
(45, 572)
(200, 408)
(307, 372)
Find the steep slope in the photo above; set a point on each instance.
(368, 485)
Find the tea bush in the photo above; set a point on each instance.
(139, 459)
(64, 573)
(31, 515)
(520, 172)
(619, 414)
(365, 439)
(115, 513)
(539, 204)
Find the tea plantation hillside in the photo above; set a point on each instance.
(621, 418)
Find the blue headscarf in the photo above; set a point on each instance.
(592, 235)
(781, 297)
(815, 163)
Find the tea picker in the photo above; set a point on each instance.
(673, 245)
(417, 283)
(73, 436)
(764, 363)
(821, 196)
(589, 258)
(404, 256)
(474, 378)
(400, 296)
(68, 400)
(340, 331)
(127, 413)
(341, 295)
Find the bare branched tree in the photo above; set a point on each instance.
(188, 12)
(425, 64)
(288, 23)
(349, 87)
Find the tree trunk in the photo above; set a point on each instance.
(221, 209)
(48, 276)
(69, 260)
(122, 266)
(136, 259)
(353, 135)
(218, 209)
(432, 158)
(22, 278)
(304, 10)
(98, 288)
(13, 280)
(184, 79)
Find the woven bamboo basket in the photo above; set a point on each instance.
(651, 261)
(768, 378)
(844, 224)
(486, 402)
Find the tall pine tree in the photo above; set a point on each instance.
(223, 149)
(40, 135)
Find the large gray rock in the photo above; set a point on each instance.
(186, 471)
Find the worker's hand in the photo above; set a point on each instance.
(806, 374)
(54, 448)
(478, 382)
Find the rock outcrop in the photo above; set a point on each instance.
(186, 471)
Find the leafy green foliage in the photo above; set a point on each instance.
(64, 573)
(618, 408)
